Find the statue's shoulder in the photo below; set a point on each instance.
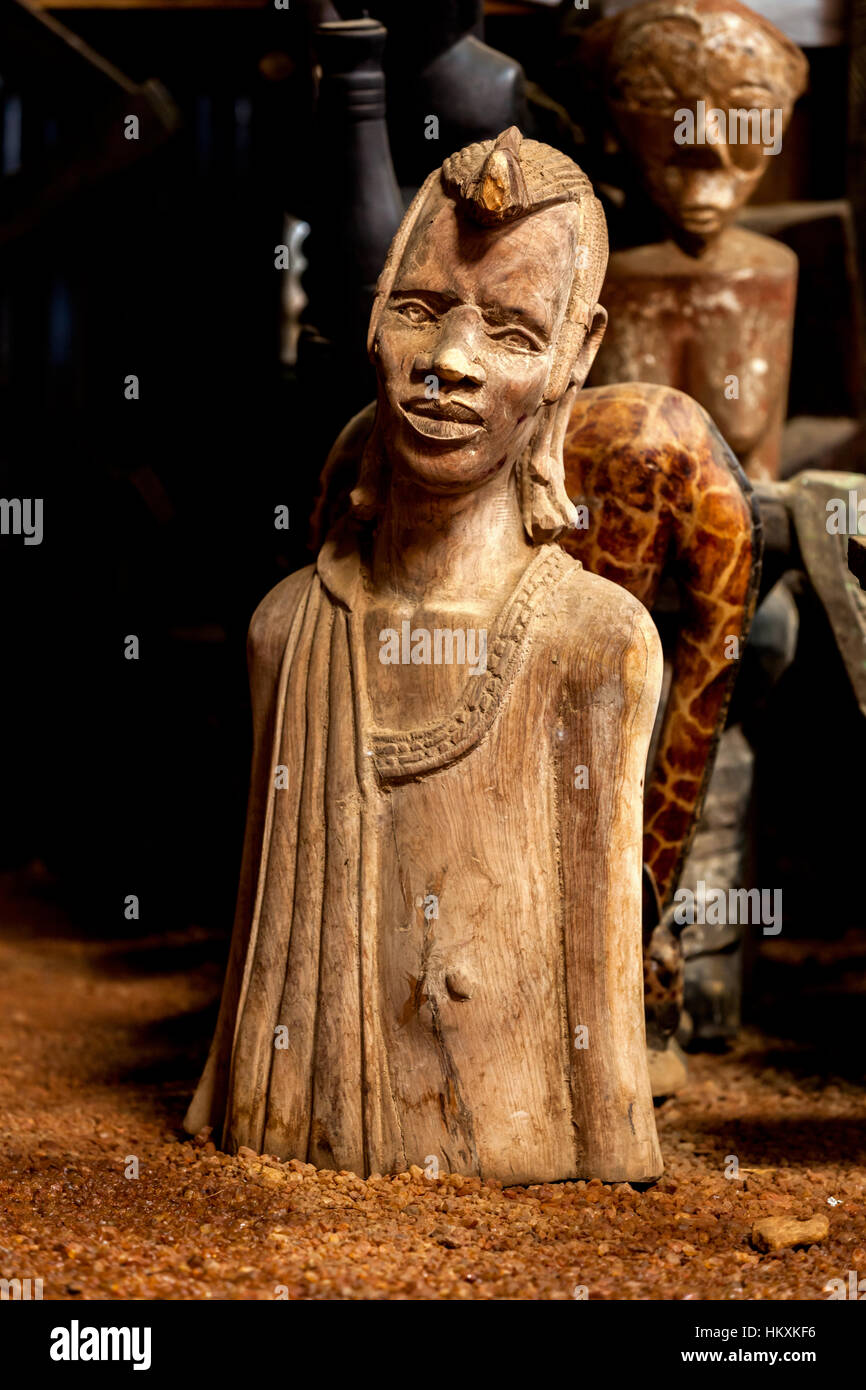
(591, 618)
(584, 598)
(272, 619)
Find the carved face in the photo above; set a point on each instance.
(466, 341)
(669, 66)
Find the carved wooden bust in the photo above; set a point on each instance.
(437, 950)
(699, 94)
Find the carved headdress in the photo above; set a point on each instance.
(607, 44)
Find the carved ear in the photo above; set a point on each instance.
(545, 505)
(575, 352)
(590, 346)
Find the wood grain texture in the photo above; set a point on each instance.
(437, 955)
(709, 307)
(665, 500)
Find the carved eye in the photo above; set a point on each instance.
(656, 98)
(647, 90)
(414, 312)
(516, 338)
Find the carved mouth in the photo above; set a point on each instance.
(442, 420)
(701, 216)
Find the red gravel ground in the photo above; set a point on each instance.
(102, 1042)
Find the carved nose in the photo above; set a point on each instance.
(454, 355)
(453, 364)
(709, 186)
(707, 157)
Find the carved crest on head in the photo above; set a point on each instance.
(499, 190)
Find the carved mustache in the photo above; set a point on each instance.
(444, 408)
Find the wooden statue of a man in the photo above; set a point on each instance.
(437, 950)
(700, 93)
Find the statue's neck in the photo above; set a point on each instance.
(450, 550)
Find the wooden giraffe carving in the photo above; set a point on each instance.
(665, 499)
(665, 496)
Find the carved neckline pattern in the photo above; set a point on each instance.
(398, 755)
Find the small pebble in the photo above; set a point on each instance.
(783, 1232)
